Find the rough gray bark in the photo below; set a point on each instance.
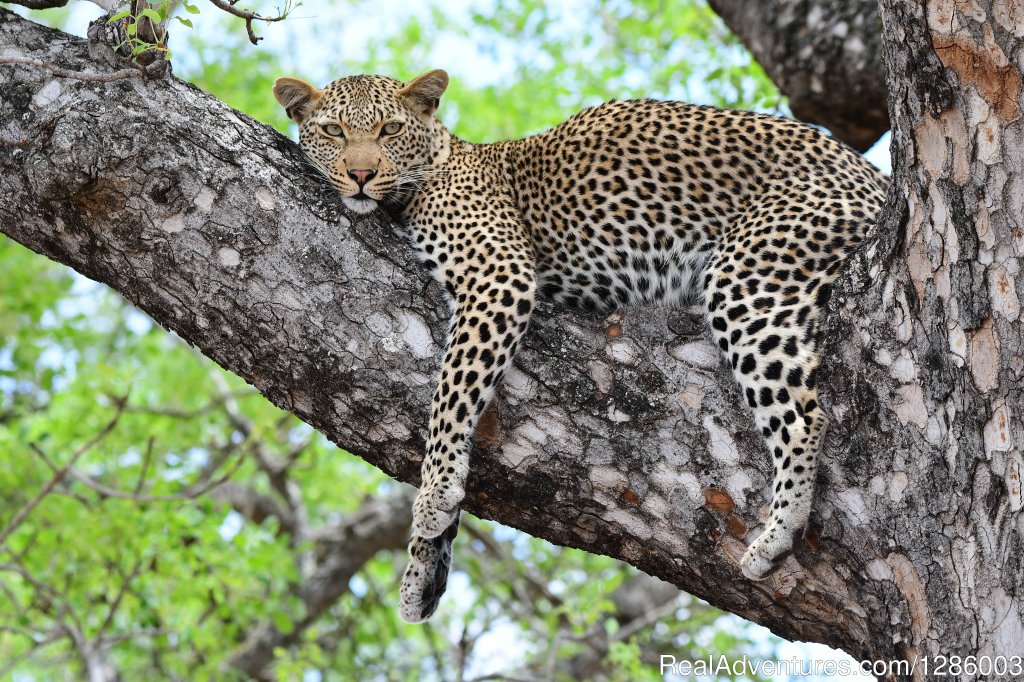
(621, 435)
(824, 55)
(925, 395)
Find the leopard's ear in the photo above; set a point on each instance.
(424, 93)
(297, 97)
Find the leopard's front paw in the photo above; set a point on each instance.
(763, 555)
(435, 509)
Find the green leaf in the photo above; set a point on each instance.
(191, 9)
(152, 15)
(120, 15)
(186, 22)
(282, 621)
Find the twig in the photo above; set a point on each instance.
(533, 582)
(234, 413)
(255, 506)
(276, 470)
(147, 457)
(190, 414)
(20, 515)
(461, 653)
(51, 593)
(144, 632)
(136, 72)
(249, 17)
(114, 605)
(650, 618)
(553, 656)
(36, 646)
(190, 493)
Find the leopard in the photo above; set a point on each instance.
(627, 203)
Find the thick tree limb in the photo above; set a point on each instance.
(623, 435)
(930, 335)
(825, 55)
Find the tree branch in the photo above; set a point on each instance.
(254, 505)
(249, 16)
(93, 76)
(58, 475)
(824, 55)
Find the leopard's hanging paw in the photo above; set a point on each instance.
(426, 576)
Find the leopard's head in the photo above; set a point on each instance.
(370, 135)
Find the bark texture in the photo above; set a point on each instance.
(926, 396)
(824, 55)
(621, 435)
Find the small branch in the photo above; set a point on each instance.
(20, 515)
(249, 17)
(111, 6)
(190, 493)
(117, 599)
(147, 459)
(379, 524)
(209, 407)
(254, 506)
(64, 609)
(535, 584)
(93, 76)
(235, 416)
(650, 618)
(30, 651)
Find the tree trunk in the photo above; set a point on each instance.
(824, 55)
(925, 395)
(621, 435)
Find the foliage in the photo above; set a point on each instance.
(133, 552)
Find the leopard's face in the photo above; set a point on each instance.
(369, 135)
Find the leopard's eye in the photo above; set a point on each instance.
(333, 129)
(392, 128)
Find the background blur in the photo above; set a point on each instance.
(187, 537)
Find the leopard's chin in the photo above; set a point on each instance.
(360, 205)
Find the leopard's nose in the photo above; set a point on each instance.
(361, 176)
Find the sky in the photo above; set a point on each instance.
(465, 60)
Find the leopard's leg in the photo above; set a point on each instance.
(493, 304)
(763, 316)
(492, 313)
